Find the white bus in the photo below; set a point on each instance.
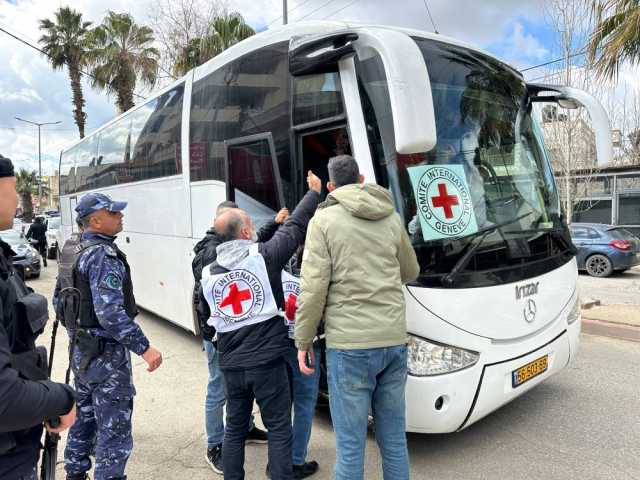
(447, 128)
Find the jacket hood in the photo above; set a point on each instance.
(368, 201)
(210, 236)
(233, 252)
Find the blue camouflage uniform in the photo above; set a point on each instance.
(104, 387)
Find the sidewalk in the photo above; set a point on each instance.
(611, 306)
(618, 321)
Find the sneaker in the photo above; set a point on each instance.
(256, 435)
(214, 458)
(305, 470)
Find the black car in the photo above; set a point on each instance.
(26, 256)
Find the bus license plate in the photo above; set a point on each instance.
(529, 371)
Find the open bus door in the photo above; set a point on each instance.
(253, 178)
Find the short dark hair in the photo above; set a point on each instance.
(343, 170)
(226, 204)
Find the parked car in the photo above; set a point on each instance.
(26, 256)
(604, 249)
(53, 229)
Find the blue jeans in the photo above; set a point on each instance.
(305, 393)
(360, 380)
(214, 402)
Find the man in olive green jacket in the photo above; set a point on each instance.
(357, 257)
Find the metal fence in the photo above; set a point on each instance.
(606, 197)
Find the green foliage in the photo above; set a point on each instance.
(121, 54)
(65, 41)
(616, 37)
(224, 31)
(26, 186)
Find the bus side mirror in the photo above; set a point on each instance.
(569, 97)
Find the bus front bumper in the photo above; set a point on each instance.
(451, 402)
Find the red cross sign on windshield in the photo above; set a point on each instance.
(235, 298)
(444, 200)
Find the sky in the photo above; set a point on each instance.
(515, 31)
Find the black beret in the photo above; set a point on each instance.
(6, 167)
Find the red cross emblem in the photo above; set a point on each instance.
(235, 298)
(290, 307)
(444, 200)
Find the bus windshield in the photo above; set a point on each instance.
(488, 168)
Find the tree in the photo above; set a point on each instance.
(568, 135)
(26, 186)
(121, 55)
(65, 41)
(180, 24)
(223, 32)
(616, 36)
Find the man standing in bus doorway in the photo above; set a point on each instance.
(357, 257)
(27, 399)
(205, 254)
(240, 295)
(106, 333)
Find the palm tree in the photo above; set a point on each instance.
(224, 32)
(122, 54)
(26, 186)
(65, 42)
(189, 58)
(616, 37)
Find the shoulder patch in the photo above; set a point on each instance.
(110, 251)
(112, 281)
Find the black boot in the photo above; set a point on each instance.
(77, 476)
(305, 470)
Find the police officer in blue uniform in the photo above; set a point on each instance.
(27, 398)
(104, 336)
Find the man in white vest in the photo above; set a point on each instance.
(244, 299)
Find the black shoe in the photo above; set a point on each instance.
(77, 476)
(256, 435)
(214, 458)
(305, 470)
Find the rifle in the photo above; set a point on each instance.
(70, 308)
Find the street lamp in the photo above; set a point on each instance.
(39, 154)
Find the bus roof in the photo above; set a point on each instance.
(279, 34)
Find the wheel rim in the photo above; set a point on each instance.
(598, 265)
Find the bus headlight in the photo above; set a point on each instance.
(425, 358)
(574, 313)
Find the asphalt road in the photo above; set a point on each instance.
(582, 424)
(618, 289)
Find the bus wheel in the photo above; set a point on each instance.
(599, 266)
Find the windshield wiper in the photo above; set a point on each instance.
(481, 234)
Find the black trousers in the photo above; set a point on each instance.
(42, 248)
(270, 387)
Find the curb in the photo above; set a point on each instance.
(610, 329)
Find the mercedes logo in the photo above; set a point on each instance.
(530, 310)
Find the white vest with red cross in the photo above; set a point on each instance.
(241, 296)
(291, 291)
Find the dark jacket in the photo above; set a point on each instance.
(38, 231)
(205, 254)
(24, 404)
(264, 342)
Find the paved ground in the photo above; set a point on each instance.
(582, 424)
(619, 289)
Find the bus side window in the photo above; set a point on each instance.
(253, 180)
